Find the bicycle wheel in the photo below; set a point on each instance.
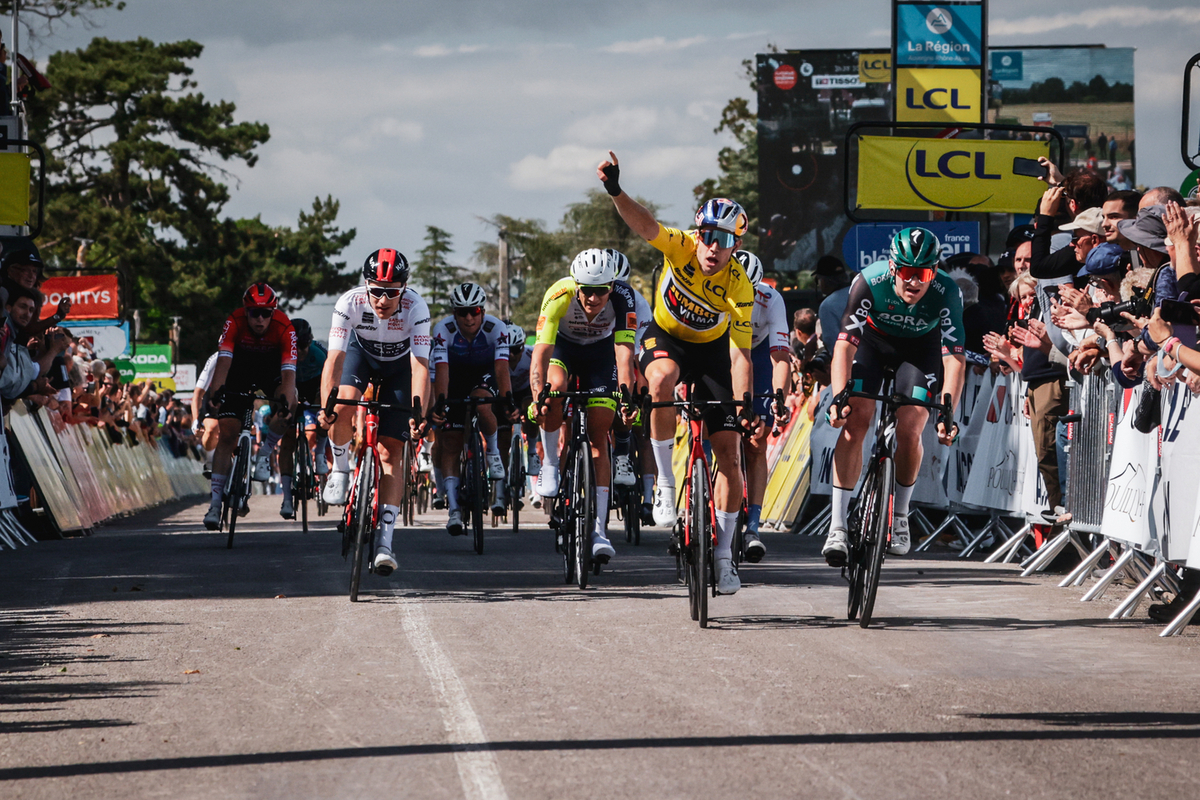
(301, 480)
(480, 486)
(702, 539)
(584, 499)
(877, 538)
(235, 491)
(363, 520)
(855, 538)
(409, 471)
(516, 478)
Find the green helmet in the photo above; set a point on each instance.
(915, 247)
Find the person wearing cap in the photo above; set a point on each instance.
(1087, 231)
(833, 282)
(23, 266)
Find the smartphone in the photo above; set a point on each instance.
(1178, 313)
(1029, 167)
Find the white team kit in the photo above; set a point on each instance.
(384, 340)
(769, 321)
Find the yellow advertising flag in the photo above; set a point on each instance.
(902, 173)
(875, 67)
(925, 94)
(14, 189)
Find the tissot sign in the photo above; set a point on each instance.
(946, 174)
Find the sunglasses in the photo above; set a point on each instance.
(921, 274)
(723, 239)
(381, 293)
(468, 312)
(595, 291)
(259, 313)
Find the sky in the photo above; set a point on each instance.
(416, 113)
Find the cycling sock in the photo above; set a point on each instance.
(341, 456)
(218, 487)
(648, 488)
(285, 483)
(387, 524)
(492, 444)
(534, 463)
(726, 528)
(840, 507)
(662, 458)
(621, 443)
(601, 529)
(550, 443)
(208, 455)
(438, 481)
(903, 495)
(451, 492)
(269, 440)
(752, 515)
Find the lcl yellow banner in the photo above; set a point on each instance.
(946, 174)
(925, 94)
(14, 189)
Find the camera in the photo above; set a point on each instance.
(1110, 313)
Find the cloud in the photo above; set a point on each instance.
(654, 45)
(1123, 16)
(613, 127)
(441, 50)
(573, 166)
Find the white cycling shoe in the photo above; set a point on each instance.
(836, 551)
(286, 509)
(547, 482)
(602, 549)
(728, 581)
(337, 488)
(623, 471)
(454, 523)
(664, 506)
(424, 462)
(495, 466)
(900, 538)
(385, 561)
(262, 469)
(212, 520)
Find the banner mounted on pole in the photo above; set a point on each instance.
(92, 296)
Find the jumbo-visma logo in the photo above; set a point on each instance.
(955, 180)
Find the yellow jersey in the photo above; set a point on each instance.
(695, 307)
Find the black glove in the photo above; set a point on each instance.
(611, 173)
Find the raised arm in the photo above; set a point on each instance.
(636, 216)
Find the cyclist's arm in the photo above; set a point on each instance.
(625, 331)
(287, 370)
(441, 379)
(420, 381)
(197, 402)
(331, 375)
(954, 368)
(781, 371)
(781, 361)
(539, 365)
(636, 216)
(503, 378)
(953, 343)
(743, 371)
(839, 369)
(625, 370)
(220, 373)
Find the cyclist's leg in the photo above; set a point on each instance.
(489, 426)
(393, 434)
(287, 458)
(598, 371)
(210, 435)
(920, 377)
(450, 444)
(756, 451)
(552, 423)
(662, 372)
(228, 429)
(356, 376)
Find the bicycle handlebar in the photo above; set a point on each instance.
(945, 409)
(333, 401)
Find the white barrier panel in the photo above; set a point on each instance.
(1033, 490)
(977, 394)
(1174, 501)
(998, 470)
(1131, 478)
(824, 438)
(931, 486)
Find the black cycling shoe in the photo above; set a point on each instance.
(754, 549)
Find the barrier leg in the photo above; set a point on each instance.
(1129, 605)
(1042, 558)
(1181, 622)
(1109, 576)
(917, 518)
(1078, 575)
(990, 529)
(931, 538)
(1011, 544)
(14, 529)
(818, 522)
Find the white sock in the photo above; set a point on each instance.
(662, 458)
(387, 524)
(550, 443)
(341, 456)
(726, 528)
(840, 507)
(601, 530)
(451, 492)
(903, 495)
(647, 488)
(270, 439)
(492, 444)
(208, 455)
(218, 487)
(285, 483)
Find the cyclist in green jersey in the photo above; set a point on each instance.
(906, 314)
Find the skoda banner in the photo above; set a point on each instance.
(903, 173)
(147, 360)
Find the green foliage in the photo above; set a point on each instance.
(433, 272)
(135, 162)
(1054, 90)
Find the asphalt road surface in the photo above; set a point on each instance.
(149, 661)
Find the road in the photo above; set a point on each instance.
(149, 661)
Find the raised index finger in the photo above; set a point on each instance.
(613, 157)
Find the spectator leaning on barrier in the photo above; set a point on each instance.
(20, 368)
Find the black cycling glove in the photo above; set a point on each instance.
(611, 173)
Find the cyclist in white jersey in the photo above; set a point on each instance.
(203, 424)
(770, 355)
(380, 329)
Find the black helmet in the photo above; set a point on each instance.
(386, 266)
(303, 330)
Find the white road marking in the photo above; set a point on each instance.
(477, 768)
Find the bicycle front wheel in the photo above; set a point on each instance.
(583, 498)
(364, 520)
(877, 537)
(479, 485)
(302, 479)
(235, 492)
(516, 478)
(700, 541)
(855, 548)
(409, 471)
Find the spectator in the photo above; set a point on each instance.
(20, 369)
(804, 334)
(1118, 206)
(1118, 181)
(833, 282)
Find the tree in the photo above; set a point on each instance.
(135, 161)
(38, 17)
(433, 271)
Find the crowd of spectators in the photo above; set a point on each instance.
(1077, 291)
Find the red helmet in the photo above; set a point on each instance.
(386, 266)
(260, 295)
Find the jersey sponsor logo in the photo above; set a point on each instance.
(689, 312)
(631, 320)
(487, 327)
(901, 319)
(661, 354)
(395, 324)
(714, 289)
(338, 333)
(438, 341)
(541, 323)
(744, 305)
(337, 313)
(420, 341)
(368, 317)
(650, 342)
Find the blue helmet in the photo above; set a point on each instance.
(723, 215)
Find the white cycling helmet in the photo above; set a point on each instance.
(516, 337)
(752, 264)
(468, 295)
(595, 267)
(623, 266)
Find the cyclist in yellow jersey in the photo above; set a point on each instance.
(701, 333)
